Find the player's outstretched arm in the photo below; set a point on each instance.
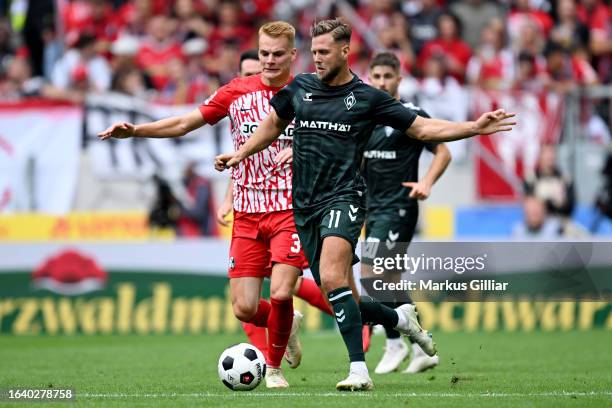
(267, 132)
(438, 130)
(422, 188)
(170, 127)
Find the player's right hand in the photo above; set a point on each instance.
(420, 190)
(120, 130)
(225, 161)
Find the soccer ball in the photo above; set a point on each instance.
(241, 367)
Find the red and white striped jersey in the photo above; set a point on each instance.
(259, 184)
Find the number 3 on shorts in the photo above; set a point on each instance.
(295, 248)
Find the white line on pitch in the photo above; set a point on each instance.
(362, 395)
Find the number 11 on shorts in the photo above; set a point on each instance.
(332, 214)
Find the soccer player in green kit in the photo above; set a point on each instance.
(390, 168)
(335, 114)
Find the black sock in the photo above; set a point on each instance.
(348, 319)
(392, 333)
(401, 298)
(374, 312)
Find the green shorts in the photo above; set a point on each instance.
(387, 236)
(341, 219)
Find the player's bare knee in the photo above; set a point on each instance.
(283, 281)
(244, 311)
(282, 292)
(332, 282)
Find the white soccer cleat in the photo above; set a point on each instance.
(293, 352)
(421, 363)
(355, 382)
(410, 326)
(393, 357)
(275, 378)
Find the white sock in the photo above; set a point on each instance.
(359, 367)
(395, 343)
(401, 321)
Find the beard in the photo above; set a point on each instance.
(330, 75)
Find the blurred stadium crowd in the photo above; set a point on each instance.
(178, 52)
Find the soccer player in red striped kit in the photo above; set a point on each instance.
(264, 238)
(305, 289)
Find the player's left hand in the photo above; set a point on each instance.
(493, 122)
(223, 211)
(284, 156)
(119, 130)
(225, 161)
(420, 190)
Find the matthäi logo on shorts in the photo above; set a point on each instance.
(232, 262)
(350, 101)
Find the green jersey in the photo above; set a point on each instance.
(332, 127)
(390, 158)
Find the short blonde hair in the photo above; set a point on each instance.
(276, 29)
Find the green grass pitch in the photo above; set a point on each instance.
(498, 369)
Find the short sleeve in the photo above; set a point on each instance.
(282, 102)
(216, 107)
(388, 111)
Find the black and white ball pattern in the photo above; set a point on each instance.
(242, 367)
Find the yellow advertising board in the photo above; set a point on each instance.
(129, 226)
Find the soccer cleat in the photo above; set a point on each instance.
(275, 378)
(393, 357)
(421, 363)
(410, 326)
(355, 382)
(293, 352)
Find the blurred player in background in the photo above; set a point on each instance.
(264, 239)
(390, 169)
(335, 114)
(305, 289)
